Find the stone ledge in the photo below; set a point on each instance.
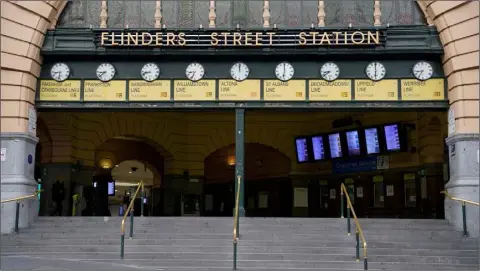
(462, 137)
(23, 136)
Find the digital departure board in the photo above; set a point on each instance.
(111, 188)
(302, 149)
(353, 143)
(392, 137)
(318, 148)
(335, 145)
(371, 140)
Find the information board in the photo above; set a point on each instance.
(415, 90)
(231, 90)
(275, 90)
(339, 90)
(113, 91)
(186, 90)
(149, 91)
(367, 90)
(51, 90)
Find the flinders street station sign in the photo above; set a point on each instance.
(224, 38)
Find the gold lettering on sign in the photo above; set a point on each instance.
(239, 38)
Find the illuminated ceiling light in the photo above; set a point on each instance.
(130, 172)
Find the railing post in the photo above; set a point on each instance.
(348, 220)
(235, 255)
(131, 224)
(17, 215)
(341, 202)
(141, 200)
(357, 249)
(122, 245)
(464, 216)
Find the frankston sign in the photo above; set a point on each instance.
(208, 38)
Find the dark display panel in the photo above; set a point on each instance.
(335, 144)
(303, 154)
(318, 148)
(392, 137)
(353, 143)
(372, 140)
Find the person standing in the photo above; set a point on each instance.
(58, 195)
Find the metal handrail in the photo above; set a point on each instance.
(17, 205)
(459, 200)
(22, 198)
(358, 227)
(130, 210)
(464, 209)
(236, 222)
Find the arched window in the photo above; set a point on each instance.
(300, 13)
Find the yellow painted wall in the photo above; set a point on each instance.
(185, 139)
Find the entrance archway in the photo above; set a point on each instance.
(267, 184)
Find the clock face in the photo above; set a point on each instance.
(422, 70)
(284, 71)
(375, 71)
(60, 72)
(239, 71)
(105, 72)
(195, 71)
(330, 71)
(150, 72)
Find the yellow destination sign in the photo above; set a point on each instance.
(321, 90)
(186, 90)
(149, 91)
(113, 91)
(415, 90)
(231, 90)
(367, 90)
(275, 90)
(51, 90)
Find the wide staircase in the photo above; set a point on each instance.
(202, 243)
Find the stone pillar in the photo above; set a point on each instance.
(17, 168)
(464, 182)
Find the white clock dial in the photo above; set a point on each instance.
(60, 72)
(150, 72)
(239, 71)
(375, 71)
(330, 71)
(422, 70)
(105, 72)
(284, 71)
(195, 71)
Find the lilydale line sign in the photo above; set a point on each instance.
(208, 38)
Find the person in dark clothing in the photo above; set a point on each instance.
(58, 195)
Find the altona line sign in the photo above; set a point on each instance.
(239, 38)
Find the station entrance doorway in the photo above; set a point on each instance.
(293, 162)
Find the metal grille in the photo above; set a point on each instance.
(401, 12)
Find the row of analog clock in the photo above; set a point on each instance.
(239, 71)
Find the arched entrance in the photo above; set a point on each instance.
(268, 189)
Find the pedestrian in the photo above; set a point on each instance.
(58, 195)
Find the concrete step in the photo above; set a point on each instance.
(131, 253)
(241, 249)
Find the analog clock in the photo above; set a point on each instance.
(60, 72)
(239, 71)
(330, 71)
(150, 72)
(195, 71)
(105, 72)
(422, 70)
(375, 71)
(284, 71)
